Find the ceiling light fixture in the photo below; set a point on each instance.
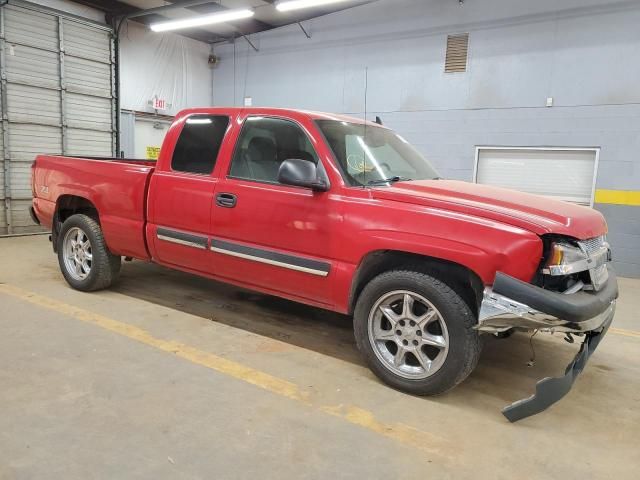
(198, 121)
(287, 5)
(203, 20)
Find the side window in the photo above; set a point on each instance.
(264, 144)
(199, 143)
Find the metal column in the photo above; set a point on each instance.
(63, 88)
(5, 127)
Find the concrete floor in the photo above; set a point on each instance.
(172, 376)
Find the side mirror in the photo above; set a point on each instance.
(302, 173)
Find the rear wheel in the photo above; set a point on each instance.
(416, 333)
(84, 259)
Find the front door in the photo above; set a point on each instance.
(181, 196)
(266, 234)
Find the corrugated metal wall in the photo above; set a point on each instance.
(57, 84)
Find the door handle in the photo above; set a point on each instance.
(226, 200)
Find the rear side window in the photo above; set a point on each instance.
(199, 143)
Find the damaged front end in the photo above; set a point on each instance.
(574, 293)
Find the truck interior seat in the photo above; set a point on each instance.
(262, 159)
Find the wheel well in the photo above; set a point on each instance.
(66, 206)
(461, 279)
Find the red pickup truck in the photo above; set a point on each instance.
(345, 215)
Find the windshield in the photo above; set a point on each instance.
(374, 155)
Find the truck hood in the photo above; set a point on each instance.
(532, 212)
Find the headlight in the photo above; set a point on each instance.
(565, 259)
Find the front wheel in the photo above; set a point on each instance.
(416, 333)
(84, 259)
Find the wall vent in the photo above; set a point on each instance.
(457, 50)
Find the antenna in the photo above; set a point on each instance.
(366, 86)
(364, 140)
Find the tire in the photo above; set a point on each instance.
(97, 272)
(446, 351)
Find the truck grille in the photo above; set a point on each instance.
(600, 274)
(592, 244)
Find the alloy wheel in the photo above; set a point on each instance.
(77, 253)
(408, 334)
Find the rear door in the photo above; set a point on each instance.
(181, 194)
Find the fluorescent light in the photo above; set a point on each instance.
(286, 5)
(198, 121)
(203, 20)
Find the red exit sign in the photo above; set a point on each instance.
(159, 104)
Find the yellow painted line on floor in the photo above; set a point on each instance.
(401, 433)
(220, 364)
(357, 416)
(626, 333)
(618, 197)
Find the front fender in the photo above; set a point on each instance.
(517, 255)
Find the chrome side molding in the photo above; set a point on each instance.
(270, 257)
(182, 238)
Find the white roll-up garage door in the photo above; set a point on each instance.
(562, 173)
(57, 84)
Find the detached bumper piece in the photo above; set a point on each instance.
(519, 305)
(549, 390)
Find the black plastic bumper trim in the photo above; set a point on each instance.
(550, 390)
(577, 307)
(33, 215)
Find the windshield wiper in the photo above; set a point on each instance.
(388, 180)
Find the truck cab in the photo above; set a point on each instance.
(215, 199)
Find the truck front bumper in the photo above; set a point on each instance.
(513, 304)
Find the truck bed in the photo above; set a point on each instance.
(135, 161)
(116, 187)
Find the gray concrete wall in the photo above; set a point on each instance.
(584, 54)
